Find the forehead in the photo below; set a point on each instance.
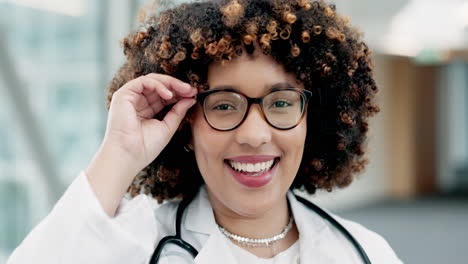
(250, 71)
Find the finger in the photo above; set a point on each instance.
(134, 86)
(147, 112)
(164, 92)
(174, 84)
(144, 109)
(145, 85)
(158, 103)
(141, 104)
(154, 101)
(150, 110)
(153, 85)
(143, 90)
(176, 114)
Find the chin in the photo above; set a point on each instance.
(245, 200)
(252, 202)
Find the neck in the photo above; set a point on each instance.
(261, 224)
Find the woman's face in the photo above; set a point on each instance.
(243, 194)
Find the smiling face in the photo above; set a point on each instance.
(254, 141)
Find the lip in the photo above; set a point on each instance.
(253, 181)
(253, 159)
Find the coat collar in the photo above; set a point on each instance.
(200, 217)
(315, 237)
(314, 243)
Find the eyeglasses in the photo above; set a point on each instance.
(226, 109)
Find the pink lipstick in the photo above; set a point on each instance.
(253, 179)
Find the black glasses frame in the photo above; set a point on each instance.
(306, 94)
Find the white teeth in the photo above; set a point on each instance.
(249, 167)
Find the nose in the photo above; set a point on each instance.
(254, 131)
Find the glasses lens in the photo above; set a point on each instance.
(284, 109)
(224, 110)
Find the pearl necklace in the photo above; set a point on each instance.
(258, 242)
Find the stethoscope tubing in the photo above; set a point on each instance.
(177, 239)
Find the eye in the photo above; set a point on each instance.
(281, 104)
(223, 107)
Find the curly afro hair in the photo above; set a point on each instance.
(307, 37)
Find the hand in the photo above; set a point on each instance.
(133, 137)
(131, 127)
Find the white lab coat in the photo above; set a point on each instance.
(78, 230)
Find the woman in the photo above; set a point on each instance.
(234, 160)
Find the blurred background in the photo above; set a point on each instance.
(56, 58)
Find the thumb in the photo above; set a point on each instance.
(174, 117)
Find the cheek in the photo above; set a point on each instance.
(199, 127)
(200, 133)
(209, 144)
(292, 143)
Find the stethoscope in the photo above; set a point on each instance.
(177, 239)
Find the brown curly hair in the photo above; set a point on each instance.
(307, 37)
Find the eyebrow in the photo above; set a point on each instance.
(274, 86)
